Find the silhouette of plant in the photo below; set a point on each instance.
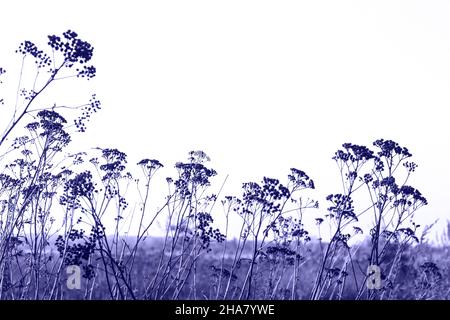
(94, 210)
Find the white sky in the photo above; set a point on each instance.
(260, 86)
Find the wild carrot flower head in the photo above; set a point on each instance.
(389, 148)
(300, 180)
(115, 163)
(29, 48)
(353, 152)
(194, 173)
(73, 48)
(342, 206)
(149, 166)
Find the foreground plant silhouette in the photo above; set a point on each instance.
(55, 209)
